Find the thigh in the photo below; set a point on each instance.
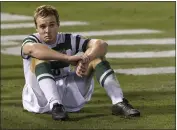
(84, 84)
(76, 91)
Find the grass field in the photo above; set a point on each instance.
(154, 95)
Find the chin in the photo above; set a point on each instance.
(48, 41)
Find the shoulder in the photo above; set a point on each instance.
(32, 38)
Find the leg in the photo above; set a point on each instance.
(107, 79)
(47, 84)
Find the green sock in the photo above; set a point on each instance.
(43, 71)
(107, 78)
(102, 71)
(47, 83)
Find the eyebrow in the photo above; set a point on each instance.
(49, 23)
(52, 22)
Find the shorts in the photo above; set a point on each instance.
(74, 92)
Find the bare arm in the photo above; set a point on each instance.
(97, 48)
(42, 52)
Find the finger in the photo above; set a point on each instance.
(79, 74)
(81, 70)
(84, 59)
(77, 58)
(82, 66)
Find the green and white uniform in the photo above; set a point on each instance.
(73, 91)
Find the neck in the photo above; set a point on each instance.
(51, 42)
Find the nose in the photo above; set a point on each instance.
(47, 30)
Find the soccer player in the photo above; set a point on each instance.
(51, 85)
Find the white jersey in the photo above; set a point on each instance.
(66, 43)
(33, 97)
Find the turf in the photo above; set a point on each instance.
(140, 48)
(153, 95)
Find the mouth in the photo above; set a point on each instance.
(47, 36)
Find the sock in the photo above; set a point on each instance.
(47, 83)
(107, 79)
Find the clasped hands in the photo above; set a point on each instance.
(81, 63)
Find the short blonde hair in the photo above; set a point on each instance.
(44, 11)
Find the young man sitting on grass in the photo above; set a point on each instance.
(50, 85)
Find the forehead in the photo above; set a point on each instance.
(46, 20)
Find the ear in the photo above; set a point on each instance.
(59, 23)
(36, 28)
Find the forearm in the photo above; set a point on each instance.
(42, 52)
(97, 49)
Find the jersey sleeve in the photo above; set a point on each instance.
(29, 39)
(79, 43)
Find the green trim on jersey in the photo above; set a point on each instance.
(38, 41)
(31, 38)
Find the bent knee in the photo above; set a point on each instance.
(97, 61)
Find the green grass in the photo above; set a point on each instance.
(104, 15)
(140, 62)
(164, 33)
(140, 90)
(153, 95)
(140, 48)
(123, 14)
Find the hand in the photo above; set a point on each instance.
(82, 66)
(74, 59)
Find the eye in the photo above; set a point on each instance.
(51, 25)
(42, 26)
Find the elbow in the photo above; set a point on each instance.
(103, 45)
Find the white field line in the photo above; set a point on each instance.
(31, 25)
(16, 51)
(146, 71)
(91, 33)
(14, 17)
(134, 71)
(141, 54)
(6, 43)
(12, 51)
(117, 32)
(156, 41)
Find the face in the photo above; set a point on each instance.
(47, 28)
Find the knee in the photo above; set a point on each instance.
(96, 61)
